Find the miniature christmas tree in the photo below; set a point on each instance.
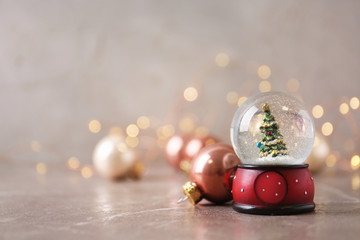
(272, 143)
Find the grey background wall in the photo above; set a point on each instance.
(63, 63)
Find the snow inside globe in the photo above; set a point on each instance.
(272, 128)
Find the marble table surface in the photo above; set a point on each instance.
(63, 205)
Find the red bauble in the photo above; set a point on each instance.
(207, 174)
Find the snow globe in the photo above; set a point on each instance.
(272, 134)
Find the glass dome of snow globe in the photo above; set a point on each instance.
(272, 128)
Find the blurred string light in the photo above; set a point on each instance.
(201, 132)
(132, 142)
(232, 97)
(186, 125)
(41, 168)
(264, 72)
(317, 111)
(132, 130)
(354, 103)
(166, 131)
(122, 147)
(143, 122)
(330, 160)
(293, 85)
(73, 163)
(87, 172)
(241, 100)
(94, 126)
(355, 183)
(116, 131)
(344, 108)
(327, 129)
(265, 86)
(222, 59)
(190, 94)
(355, 162)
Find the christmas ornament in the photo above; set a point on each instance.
(181, 150)
(113, 159)
(272, 133)
(210, 174)
(175, 150)
(192, 148)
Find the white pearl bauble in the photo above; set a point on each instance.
(112, 158)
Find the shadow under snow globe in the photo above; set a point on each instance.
(272, 134)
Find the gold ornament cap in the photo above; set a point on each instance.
(266, 107)
(193, 193)
(137, 171)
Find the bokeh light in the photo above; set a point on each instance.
(264, 72)
(166, 131)
(355, 182)
(355, 162)
(265, 86)
(132, 130)
(116, 131)
(344, 108)
(87, 172)
(132, 142)
(222, 59)
(232, 97)
(330, 160)
(41, 168)
(122, 147)
(73, 163)
(327, 129)
(241, 100)
(190, 94)
(354, 103)
(94, 126)
(293, 85)
(143, 122)
(186, 125)
(317, 111)
(201, 131)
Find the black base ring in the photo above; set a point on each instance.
(274, 210)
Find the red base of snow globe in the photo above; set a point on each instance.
(273, 190)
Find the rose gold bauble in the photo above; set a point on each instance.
(180, 150)
(208, 171)
(192, 148)
(174, 150)
(194, 145)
